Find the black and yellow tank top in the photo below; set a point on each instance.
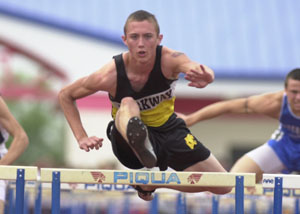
(155, 100)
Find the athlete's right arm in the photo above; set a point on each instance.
(102, 80)
(20, 139)
(214, 110)
(267, 104)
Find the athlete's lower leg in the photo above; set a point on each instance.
(135, 132)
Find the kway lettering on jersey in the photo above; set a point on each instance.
(146, 178)
(152, 101)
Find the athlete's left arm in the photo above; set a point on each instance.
(199, 75)
(20, 139)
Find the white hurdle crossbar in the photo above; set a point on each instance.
(157, 178)
(20, 174)
(280, 182)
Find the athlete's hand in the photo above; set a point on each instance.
(199, 77)
(89, 143)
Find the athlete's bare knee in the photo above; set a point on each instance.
(127, 101)
(129, 106)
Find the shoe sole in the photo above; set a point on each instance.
(139, 142)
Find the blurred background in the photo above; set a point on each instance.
(46, 44)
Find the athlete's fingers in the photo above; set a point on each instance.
(84, 147)
(86, 144)
(199, 84)
(90, 144)
(203, 68)
(97, 142)
(199, 77)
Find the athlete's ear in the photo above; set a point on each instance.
(160, 37)
(124, 38)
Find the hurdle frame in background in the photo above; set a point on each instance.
(133, 177)
(124, 177)
(279, 182)
(20, 174)
(157, 178)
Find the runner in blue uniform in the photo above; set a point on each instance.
(279, 154)
(145, 131)
(9, 126)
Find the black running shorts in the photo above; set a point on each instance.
(173, 143)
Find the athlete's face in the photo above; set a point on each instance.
(293, 94)
(142, 39)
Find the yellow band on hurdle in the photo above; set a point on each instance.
(10, 172)
(135, 177)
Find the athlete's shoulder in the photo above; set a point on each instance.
(168, 52)
(103, 79)
(270, 96)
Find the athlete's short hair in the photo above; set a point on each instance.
(293, 74)
(141, 15)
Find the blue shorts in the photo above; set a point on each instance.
(287, 150)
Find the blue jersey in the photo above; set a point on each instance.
(286, 139)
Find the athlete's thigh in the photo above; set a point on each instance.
(184, 149)
(2, 204)
(265, 158)
(260, 160)
(211, 164)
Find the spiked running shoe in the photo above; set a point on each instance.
(139, 142)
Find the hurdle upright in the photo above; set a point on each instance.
(157, 178)
(280, 182)
(20, 174)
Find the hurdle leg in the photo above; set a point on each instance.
(26, 203)
(154, 205)
(181, 204)
(11, 202)
(239, 195)
(126, 206)
(215, 204)
(277, 202)
(296, 211)
(38, 199)
(20, 185)
(111, 209)
(55, 200)
(253, 206)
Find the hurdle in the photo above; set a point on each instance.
(156, 178)
(279, 182)
(20, 174)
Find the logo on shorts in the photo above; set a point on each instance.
(190, 141)
(98, 176)
(194, 178)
